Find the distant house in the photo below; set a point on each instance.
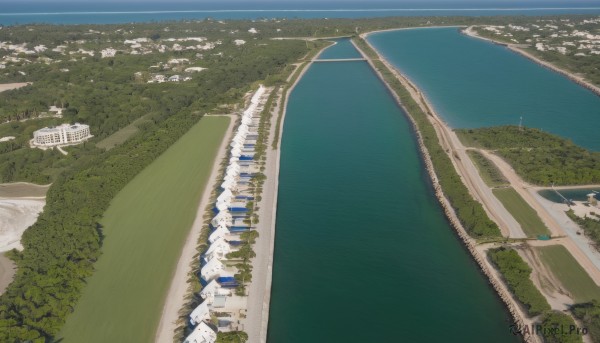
(175, 78)
(61, 135)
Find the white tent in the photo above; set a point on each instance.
(202, 334)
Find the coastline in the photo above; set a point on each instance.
(513, 47)
(495, 279)
(174, 300)
(257, 329)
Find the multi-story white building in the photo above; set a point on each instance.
(61, 135)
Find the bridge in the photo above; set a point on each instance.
(340, 60)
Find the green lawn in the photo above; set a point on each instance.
(491, 175)
(570, 273)
(122, 135)
(530, 222)
(145, 227)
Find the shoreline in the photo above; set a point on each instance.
(514, 48)
(174, 300)
(274, 167)
(493, 276)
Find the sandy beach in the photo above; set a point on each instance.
(515, 47)
(175, 298)
(9, 86)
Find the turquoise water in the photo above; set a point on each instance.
(473, 83)
(342, 49)
(363, 252)
(127, 11)
(571, 194)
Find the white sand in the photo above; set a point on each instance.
(16, 215)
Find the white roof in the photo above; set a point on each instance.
(213, 288)
(212, 269)
(221, 231)
(200, 313)
(202, 334)
(219, 246)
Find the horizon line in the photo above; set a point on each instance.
(304, 10)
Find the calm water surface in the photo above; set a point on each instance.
(473, 83)
(363, 252)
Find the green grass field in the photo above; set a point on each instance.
(491, 175)
(145, 228)
(530, 222)
(122, 135)
(569, 272)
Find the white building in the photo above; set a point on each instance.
(202, 334)
(61, 135)
(213, 269)
(200, 313)
(212, 290)
(219, 249)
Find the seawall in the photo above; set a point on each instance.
(513, 307)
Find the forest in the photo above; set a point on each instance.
(540, 158)
(61, 248)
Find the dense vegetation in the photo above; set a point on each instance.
(538, 157)
(232, 337)
(516, 273)
(470, 212)
(557, 328)
(61, 248)
(589, 314)
(590, 226)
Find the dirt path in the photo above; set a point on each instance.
(175, 298)
(578, 246)
(10, 86)
(7, 272)
(545, 280)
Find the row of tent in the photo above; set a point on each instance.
(219, 281)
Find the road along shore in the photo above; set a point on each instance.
(443, 131)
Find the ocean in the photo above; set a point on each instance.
(111, 12)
